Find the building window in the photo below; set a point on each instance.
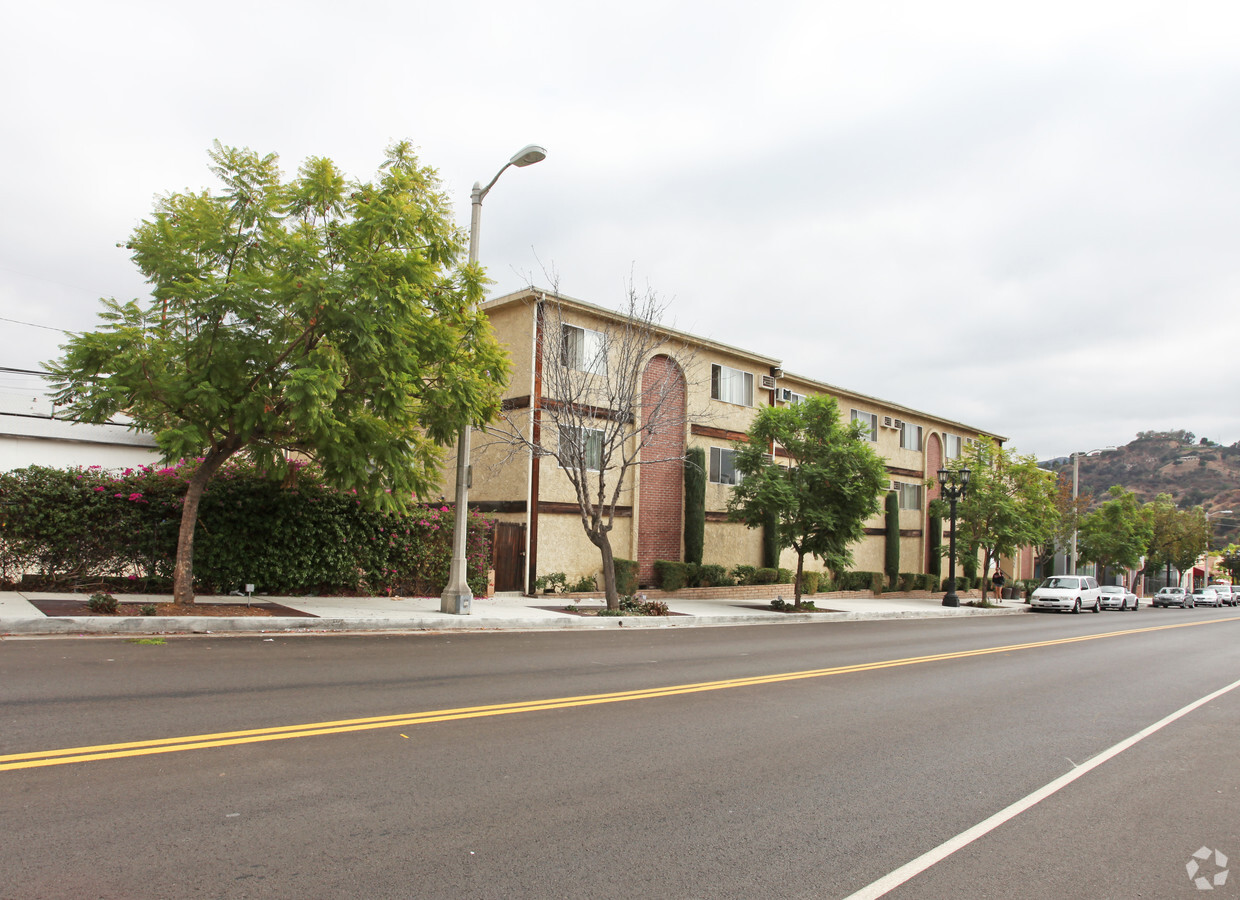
(910, 436)
(722, 466)
(867, 418)
(909, 494)
(952, 445)
(584, 350)
(581, 443)
(792, 398)
(731, 386)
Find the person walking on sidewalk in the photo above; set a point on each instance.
(997, 581)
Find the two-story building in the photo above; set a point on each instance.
(711, 392)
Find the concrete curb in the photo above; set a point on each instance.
(215, 625)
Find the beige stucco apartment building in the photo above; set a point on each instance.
(719, 389)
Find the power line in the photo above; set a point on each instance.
(33, 325)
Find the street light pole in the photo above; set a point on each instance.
(1210, 540)
(457, 596)
(953, 484)
(1076, 470)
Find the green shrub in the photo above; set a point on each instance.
(908, 581)
(963, 582)
(693, 575)
(809, 582)
(695, 504)
(669, 574)
(766, 575)
(653, 608)
(712, 575)
(295, 536)
(785, 576)
(770, 542)
(891, 543)
(745, 574)
(551, 583)
(626, 575)
(103, 604)
(877, 581)
(826, 584)
(148, 609)
(584, 585)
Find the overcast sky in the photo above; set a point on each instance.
(1027, 221)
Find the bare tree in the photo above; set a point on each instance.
(604, 407)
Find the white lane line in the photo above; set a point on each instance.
(896, 878)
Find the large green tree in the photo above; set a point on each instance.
(317, 317)
(820, 500)
(1010, 503)
(1118, 532)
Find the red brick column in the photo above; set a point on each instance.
(660, 509)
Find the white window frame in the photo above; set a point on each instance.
(953, 445)
(862, 415)
(717, 457)
(583, 349)
(593, 449)
(911, 495)
(907, 429)
(730, 385)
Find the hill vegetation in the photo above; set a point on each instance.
(1194, 471)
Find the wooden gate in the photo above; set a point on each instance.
(509, 556)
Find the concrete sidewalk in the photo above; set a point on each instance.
(18, 616)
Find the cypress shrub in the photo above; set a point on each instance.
(891, 558)
(968, 565)
(770, 542)
(695, 504)
(934, 564)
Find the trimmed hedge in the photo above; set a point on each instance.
(669, 574)
(809, 582)
(712, 575)
(74, 527)
(766, 575)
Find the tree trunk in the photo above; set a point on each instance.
(601, 541)
(183, 574)
(800, 572)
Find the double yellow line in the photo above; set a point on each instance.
(40, 759)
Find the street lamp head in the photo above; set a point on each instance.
(527, 156)
(944, 476)
(964, 479)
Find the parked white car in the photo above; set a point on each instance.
(1071, 593)
(1227, 594)
(1173, 596)
(1205, 596)
(1115, 596)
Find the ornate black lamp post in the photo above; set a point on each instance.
(954, 482)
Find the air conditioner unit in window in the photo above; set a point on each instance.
(768, 382)
(898, 424)
(785, 394)
(887, 422)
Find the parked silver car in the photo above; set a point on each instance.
(1173, 596)
(1205, 596)
(1227, 594)
(1115, 596)
(1071, 593)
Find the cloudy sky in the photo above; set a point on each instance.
(1025, 217)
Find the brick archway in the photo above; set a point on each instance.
(660, 501)
(934, 460)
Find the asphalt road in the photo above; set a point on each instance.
(762, 761)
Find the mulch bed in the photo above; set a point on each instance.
(65, 608)
(766, 607)
(592, 611)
